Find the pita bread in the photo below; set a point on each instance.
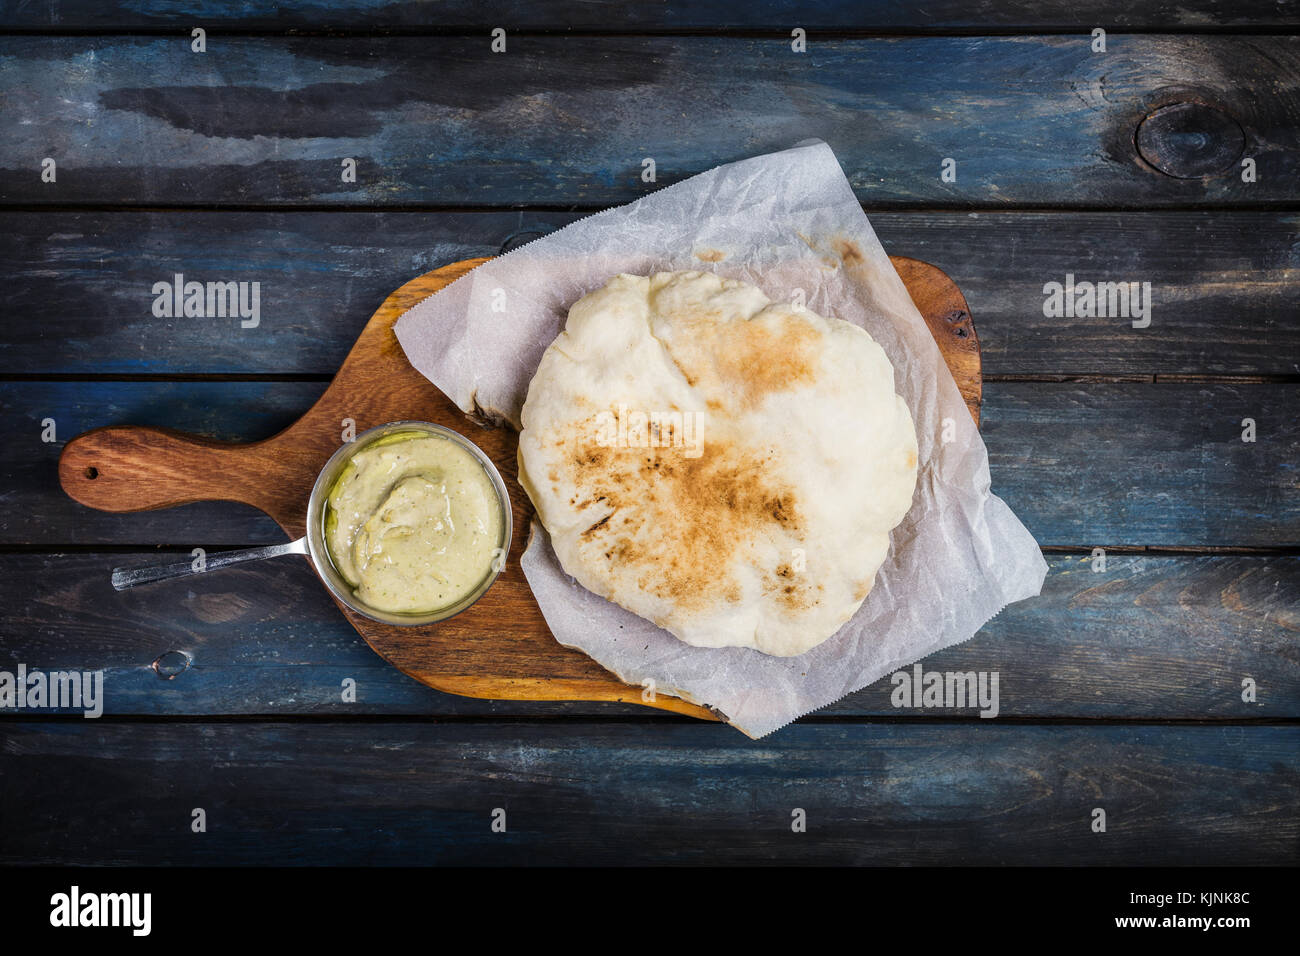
(728, 468)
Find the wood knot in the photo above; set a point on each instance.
(1190, 140)
(521, 238)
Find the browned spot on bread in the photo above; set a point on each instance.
(779, 509)
(850, 252)
(592, 457)
(863, 590)
(596, 527)
(682, 523)
(911, 458)
(791, 591)
(747, 359)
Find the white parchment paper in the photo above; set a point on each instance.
(786, 221)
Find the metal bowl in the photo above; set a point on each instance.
(319, 553)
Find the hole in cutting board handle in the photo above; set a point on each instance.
(91, 472)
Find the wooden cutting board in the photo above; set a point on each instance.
(500, 647)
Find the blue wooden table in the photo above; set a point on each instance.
(1157, 678)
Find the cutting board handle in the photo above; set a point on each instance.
(127, 468)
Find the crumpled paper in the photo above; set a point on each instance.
(784, 222)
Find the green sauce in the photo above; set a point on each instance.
(413, 523)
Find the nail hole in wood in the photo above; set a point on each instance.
(92, 472)
(169, 665)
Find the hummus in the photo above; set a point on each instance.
(414, 523)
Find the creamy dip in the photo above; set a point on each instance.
(413, 523)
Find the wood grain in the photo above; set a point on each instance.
(624, 793)
(1152, 637)
(673, 15)
(568, 119)
(1221, 285)
(1162, 465)
(499, 647)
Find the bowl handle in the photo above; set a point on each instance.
(124, 578)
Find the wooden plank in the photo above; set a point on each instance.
(1221, 285)
(1222, 288)
(90, 276)
(1082, 464)
(574, 793)
(609, 16)
(1147, 465)
(443, 120)
(1150, 637)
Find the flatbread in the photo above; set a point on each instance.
(728, 468)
